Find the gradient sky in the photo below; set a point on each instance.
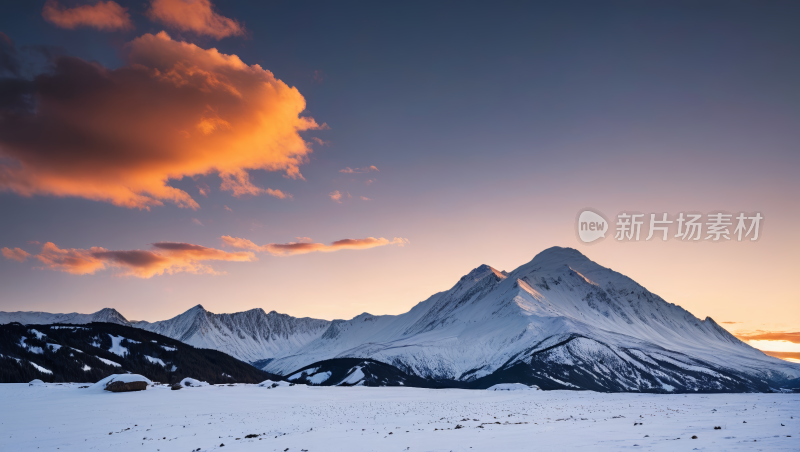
(489, 127)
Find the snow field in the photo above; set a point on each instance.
(66, 418)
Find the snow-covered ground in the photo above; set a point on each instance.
(53, 417)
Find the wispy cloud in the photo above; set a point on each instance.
(17, 254)
(228, 209)
(364, 198)
(196, 16)
(165, 258)
(239, 183)
(336, 196)
(104, 16)
(204, 189)
(761, 335)
(366, 169)
(197, 222)
(303, 247)
(780, 344)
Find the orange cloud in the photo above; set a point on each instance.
(17, 254)
(239, 183)
(104, 16)
(336, 196)
(367, 169)
(167, 257)
(364, 198)
(204, 189)
(292, 248)
(197, 16)
(760, 335)
(174, 110)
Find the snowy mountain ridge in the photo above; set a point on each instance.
(107, 315)
(250, 335)
(558, 321)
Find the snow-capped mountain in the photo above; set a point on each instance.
(253, 336)
(560, 318)
(559, 321)
(107, 315)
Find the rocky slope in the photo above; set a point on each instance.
(91, 352)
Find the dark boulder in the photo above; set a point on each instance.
(119, 386)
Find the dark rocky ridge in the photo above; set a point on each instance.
(66, 350)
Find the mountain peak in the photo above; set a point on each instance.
(481, 271)
(194, 312)
(558, 252)
(555, 259)
(109, 315)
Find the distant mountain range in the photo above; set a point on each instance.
(107, 315)
(559, 321)
(251, 336)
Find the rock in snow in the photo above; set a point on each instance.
(192, 383)
(269, 384)
(119, 386)
(121, 383)
(512, 387)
